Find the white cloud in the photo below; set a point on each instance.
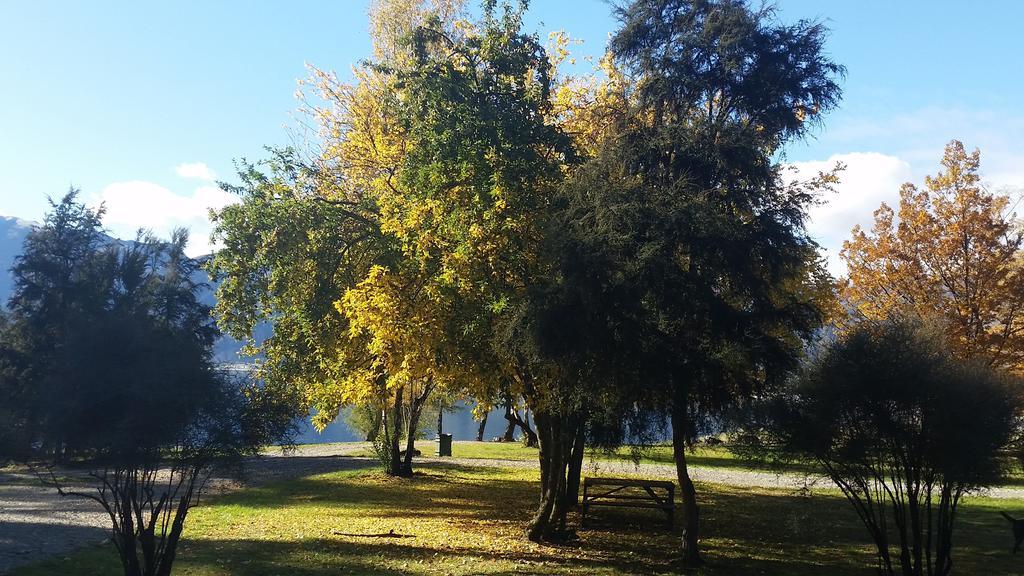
(196, 170)
(869, 179)
(139, 204)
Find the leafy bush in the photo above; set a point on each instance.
(904, 429)
(105, 364)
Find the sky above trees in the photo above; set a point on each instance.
(145, 107)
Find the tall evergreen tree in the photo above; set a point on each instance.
(60, 286)
(107, 366)
(711, 271)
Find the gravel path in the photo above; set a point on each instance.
(36, 522)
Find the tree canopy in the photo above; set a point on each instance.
(480, 218)
(106, 362)
(950, 252)
(904, 429)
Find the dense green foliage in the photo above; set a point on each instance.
(905, 430)
(107, 364)
(466, 229)
(289, 254)
(683, 277)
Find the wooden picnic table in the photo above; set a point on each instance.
(658, 494)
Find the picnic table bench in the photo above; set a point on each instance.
(658, 494)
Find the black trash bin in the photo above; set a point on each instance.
(444, 444)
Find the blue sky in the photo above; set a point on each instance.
(142, 105)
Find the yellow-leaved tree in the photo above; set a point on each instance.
(951, 252)
(314, 248)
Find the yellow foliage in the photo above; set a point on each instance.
(584, 106)
(395, 317)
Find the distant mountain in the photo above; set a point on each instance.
(12, 235)
(13, 232)
(227, 350)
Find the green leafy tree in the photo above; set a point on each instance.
(722, 283)
(315, 249)
(905, 430)
(112, 334)
(291, 249)
(484, 160)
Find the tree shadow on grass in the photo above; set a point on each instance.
(265, 470)
(481, 515)
(775, 533)
(23, 543)
(471, 488)
(746, 531)
(318, 557)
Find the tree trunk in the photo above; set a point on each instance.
(510, 430)
(178, 522)
(531, 436)
(572, 487)
(512, 415)
(480, 430)
(374, 430)
(415, 409)
(549, 523)
(395, 467)
(687, 491)
(410, 447)
(949, 499)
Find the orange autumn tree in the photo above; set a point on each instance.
(952, 251)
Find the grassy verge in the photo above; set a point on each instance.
(704, 456)
(470, 520)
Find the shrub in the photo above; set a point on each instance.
(904, 429)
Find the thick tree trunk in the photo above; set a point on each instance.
(549, 523)
(572, 488)
(410, 448)
(480, 430)
(541, 526)
(415, 410)
(687, 492)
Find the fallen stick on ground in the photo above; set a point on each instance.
(389, 534)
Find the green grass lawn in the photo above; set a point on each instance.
(470, 520)
(700, 455)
